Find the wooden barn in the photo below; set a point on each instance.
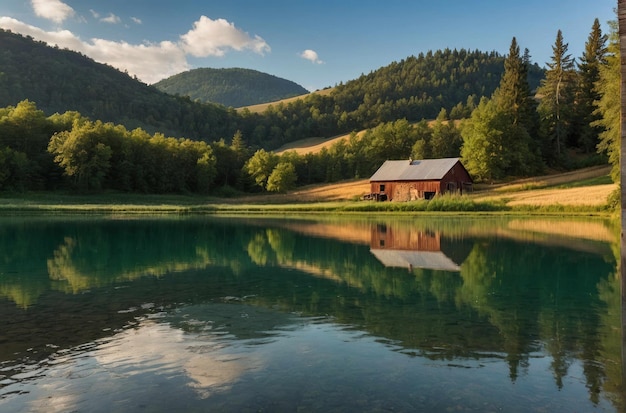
(411, 180)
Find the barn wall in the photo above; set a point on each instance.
(455, 179)
(413, 190)
(406, 190)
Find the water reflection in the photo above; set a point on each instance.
(410, 248)
(216, 304)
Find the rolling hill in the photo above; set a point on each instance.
(234, 87)
(60, 80)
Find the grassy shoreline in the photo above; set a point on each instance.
(121, 203)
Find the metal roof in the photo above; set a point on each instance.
(408, 170)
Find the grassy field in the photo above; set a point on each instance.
(583, 191)
(311, 145)
(261, 107)
(586, 187)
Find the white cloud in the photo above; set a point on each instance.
(111, 18)
(149, 62)
(214, 37)
(136, 20)
(54, 10)
(95, 14)
(312, 56)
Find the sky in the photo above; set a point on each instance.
(316, 44)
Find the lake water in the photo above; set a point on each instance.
(196, 314)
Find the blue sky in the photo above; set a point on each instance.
(313, 43)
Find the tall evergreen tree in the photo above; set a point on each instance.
(529, 112)
(513, 98)
(557, 100)
(609, 104)
(593, 58)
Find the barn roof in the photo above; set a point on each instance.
(408, 170)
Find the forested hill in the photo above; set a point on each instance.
(234, 87)
(419, 86)
(62, 80)
(414, 88)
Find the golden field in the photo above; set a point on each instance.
(518, 192)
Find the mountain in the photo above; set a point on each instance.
(230, 87)
(62, 80)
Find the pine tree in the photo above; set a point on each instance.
(513, 98)
(594, 56)
(557, 100)
(529, 110)
(609, 105)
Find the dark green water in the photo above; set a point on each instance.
(245, 315)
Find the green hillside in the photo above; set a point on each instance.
(62, 80)
(230, 87)
(414, 88)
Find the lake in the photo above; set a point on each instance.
(334, 314)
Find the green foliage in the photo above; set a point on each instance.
(230, 87)
(446, 140)
(260, 166)
(414, 89)
(62, 80)
(282, 178)
(587, 94)
(24, 136)
(556, 108)
(83, 154)
(496, 139)
(100, 155)
(14, 169)
(500, 139)
(609, 104)
(483, 143)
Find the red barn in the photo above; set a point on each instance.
(410, 180)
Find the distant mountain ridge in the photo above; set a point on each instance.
(235, 87)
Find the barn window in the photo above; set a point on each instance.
(382, 187)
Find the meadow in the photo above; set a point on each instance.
(586, 191)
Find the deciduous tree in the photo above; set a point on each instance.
(261, 165)
(282, 178)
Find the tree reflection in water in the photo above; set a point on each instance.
(443, 289)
